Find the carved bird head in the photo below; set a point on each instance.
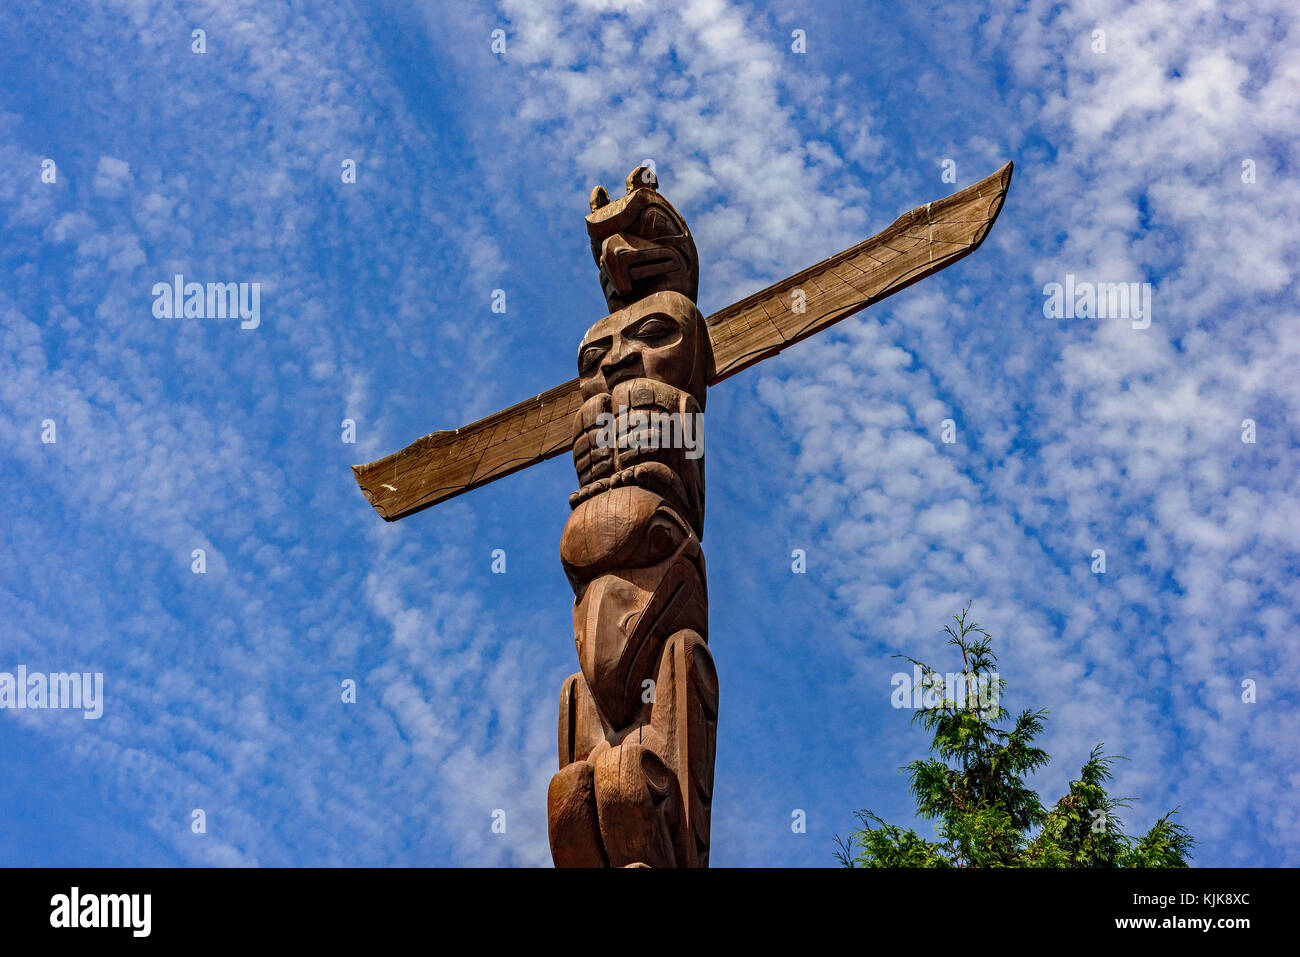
(641, 243)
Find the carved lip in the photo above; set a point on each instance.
(651, 267)
(633, 267)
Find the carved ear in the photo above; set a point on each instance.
(643, 177)
(599, 198)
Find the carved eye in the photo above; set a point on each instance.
(589, 357)
(655, 224)
(655, 329)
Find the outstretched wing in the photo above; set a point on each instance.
(445, 464)
(917, 244)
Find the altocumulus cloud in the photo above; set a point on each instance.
(222, 689)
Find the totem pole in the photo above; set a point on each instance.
(638, 721)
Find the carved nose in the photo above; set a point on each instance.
(623, 362)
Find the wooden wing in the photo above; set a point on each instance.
(917, 244)
(445, 464)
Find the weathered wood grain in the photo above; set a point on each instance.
(445, 464)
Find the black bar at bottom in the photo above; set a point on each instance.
(682, 910)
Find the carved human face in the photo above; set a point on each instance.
(661, 337)
(642, 246)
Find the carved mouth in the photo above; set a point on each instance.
(649, 268)
(635, 269)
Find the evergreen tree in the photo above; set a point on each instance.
(973, 787)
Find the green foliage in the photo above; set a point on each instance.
(973, 788)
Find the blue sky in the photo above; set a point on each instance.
(473, 168)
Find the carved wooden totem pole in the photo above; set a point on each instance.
(638, 721)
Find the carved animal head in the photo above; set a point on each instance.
(641, 243)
